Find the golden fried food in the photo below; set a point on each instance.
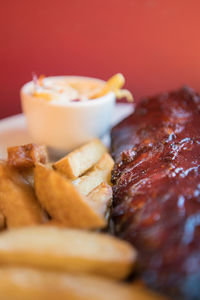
(68, 250)
(81, 159)
(123, 93)
(26, 156)
(62, 200)
(113, 84)
(100, 172)
(28, 175)
(17, 199)
(100, 198)
(32, 284)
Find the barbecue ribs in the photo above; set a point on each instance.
(156, 185)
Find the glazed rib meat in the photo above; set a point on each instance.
(156, 185)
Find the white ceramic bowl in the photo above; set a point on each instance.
(66, 126)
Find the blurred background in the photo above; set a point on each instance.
(154, 43)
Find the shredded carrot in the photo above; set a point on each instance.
(40, 80)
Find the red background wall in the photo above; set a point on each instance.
(155, 43)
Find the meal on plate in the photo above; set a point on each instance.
(94, 225)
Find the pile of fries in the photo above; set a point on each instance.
(50, 218)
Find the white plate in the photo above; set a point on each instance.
(13, 130)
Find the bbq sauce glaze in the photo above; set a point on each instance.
(156, 186)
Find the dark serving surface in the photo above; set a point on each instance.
(157, 190)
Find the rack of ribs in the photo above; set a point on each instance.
(156, 185)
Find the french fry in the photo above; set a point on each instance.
(63, 201)
(26, 156)
(67, 250)
(81, 159)
(113, 84)
(100, 198)
(123, 93)
(32, 284)
(17, 199)
(101, 172)
(27, 174)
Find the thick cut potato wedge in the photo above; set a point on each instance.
(26, 156)
(68, 250)
(27, 174)
(17, 199)
(63, 201)
(101, 172)
(30, 284)
(100, 198)
(81, 159)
